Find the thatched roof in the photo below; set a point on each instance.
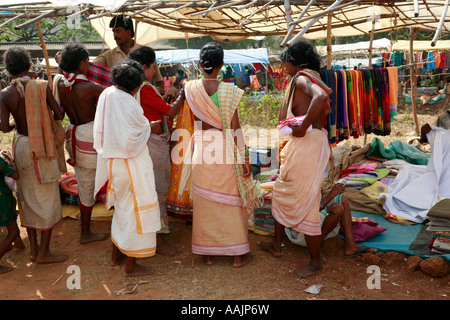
(235, 20)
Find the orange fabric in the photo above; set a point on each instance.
(39, 121)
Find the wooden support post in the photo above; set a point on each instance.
(413, 79)
(441, 24)
(371, 40)
(329, 44)
(44, 49)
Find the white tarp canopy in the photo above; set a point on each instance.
(238, 56)
(382, 44)
(404, 45)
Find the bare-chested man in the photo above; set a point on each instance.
(36, 158)
(78, 97)
(296, 198)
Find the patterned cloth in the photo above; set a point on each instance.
(99, 74)
(314, 77)
(7, 212)
(39, 121)
(229, 97)
(180, 205)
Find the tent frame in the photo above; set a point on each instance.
(311, 12)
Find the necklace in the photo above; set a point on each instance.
(209, 79)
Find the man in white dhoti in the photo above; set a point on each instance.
(78, 96)
(121, 133)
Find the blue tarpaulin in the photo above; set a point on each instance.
(235, 56)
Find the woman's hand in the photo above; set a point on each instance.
(297, 131)
(247, 170)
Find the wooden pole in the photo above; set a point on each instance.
(44, 49)
(290, 29)
(329, 57)
(371, 40)
(370, 56)
(413, 78)
(329, 45)
(441, 23)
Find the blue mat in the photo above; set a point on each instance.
(397, 237)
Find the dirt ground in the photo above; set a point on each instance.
(185, 277)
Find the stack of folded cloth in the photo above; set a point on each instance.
(439, 226)
(263, 218)
(362, 175)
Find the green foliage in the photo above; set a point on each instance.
(260, 111)
(53, 29)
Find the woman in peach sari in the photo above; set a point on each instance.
(220, 206)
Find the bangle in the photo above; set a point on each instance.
(182, 94)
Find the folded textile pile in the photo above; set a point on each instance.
(263, 218)
(361, 175)
(439, 226)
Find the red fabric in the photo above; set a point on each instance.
(99, 74)
(153, 105)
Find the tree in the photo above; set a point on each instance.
(53, 29)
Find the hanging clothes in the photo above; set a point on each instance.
(363, 101)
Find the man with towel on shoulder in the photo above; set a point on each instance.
(78, 97)
(35, 150)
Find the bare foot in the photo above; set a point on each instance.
(309, 270)
(91, 237)
(165, 249)
(51, 258)
(139, 270)
(358, 250)
(117, 258)
(34, 253)
(240, 261)
(4, 269)
(208, 260)
(269, 246)
(18, 243)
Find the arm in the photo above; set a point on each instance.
(176, 105)
(100, 60)
(337, 189)
(51, 102)
(7, 165)
(6, 125)
(316, 106)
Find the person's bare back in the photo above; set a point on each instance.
(13, 103)
(81, 102)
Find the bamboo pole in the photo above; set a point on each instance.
(329, 44)
(413, 79)
(292, 28)
(370, 57)
(441, 23)
(416, 8)
(329, 56)
(371, 40)
(310, 23)
(44, 49)
(36, 19)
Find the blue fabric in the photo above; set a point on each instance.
(397, 237)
